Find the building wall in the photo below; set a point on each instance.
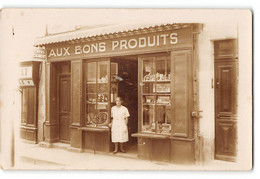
(210, 32)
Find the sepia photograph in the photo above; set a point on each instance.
(126, 89)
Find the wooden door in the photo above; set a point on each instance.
(64, 108)
(225, 109)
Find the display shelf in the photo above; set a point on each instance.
(102, 102)
(157, 94)
(149, 81)
(149, 104)
(163, 81)
(163, 104)
(97, 82)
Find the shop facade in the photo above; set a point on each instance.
(157, 72)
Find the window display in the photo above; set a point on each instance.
(97, 90)
(156, 96)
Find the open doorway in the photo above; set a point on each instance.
(126, 72)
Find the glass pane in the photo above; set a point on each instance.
(114, 72)
(102, 72)
(148, 70)
(148, 117)
(149, 100)
(91, 88)
(160, 114)
(102, 98)
(163, 100)
(102, 114)
(91, 72)
(102, 88)
(91, 113)
(91, 98)
(163, 68)
(114, 92)
(149, 87)
(163, 88)
(168, 114)
(163, 119)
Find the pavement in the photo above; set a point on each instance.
(30, 156)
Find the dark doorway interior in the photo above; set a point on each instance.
(128, 90)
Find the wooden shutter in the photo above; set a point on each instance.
(181, 85)
(76, 92)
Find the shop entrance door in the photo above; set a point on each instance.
(127, 87)
(64, 108)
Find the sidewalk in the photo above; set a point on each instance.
(32, 156)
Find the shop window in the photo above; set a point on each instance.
(156, 94)
(97, 93)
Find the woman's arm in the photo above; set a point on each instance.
(126, 120)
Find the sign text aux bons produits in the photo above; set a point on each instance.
(116, 45)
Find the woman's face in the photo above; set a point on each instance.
(118, 102)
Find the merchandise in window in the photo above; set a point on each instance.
(97, 91)
(156, 94)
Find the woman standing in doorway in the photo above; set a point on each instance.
(119, 129)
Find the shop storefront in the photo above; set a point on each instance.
(153, 69)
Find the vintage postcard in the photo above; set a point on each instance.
(126, 89)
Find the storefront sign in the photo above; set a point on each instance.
(153, 41)
(40, 53)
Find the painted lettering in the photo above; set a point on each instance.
(123, 44)
(132, 43)
(114, 44)
(66, 51)
(149, 42)
(52, 53)
(86, 49)
(78, 50)
(142, 42)
(102, 47)
(173, 38)
(59, 53)
(164, 38)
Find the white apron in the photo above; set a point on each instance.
(119, 127)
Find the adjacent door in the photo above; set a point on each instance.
(225, 104)
(64, 107)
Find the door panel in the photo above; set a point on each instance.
(64, 107)
(226, 88)
(225, 143)
(225, 109)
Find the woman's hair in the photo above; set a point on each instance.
(120, 98)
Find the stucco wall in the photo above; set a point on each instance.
(211, 31)
(232, 26)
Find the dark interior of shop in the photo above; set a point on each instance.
(128, 91)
